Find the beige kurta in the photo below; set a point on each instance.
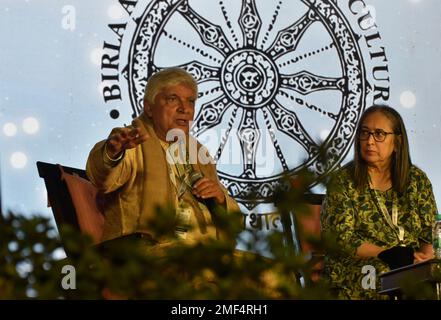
(138, 183)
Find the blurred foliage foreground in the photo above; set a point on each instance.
(33, 264)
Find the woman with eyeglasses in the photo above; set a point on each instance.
(378, 210)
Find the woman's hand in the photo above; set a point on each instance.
(421, 256)
(424, 253)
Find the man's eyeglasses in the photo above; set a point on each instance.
(379, 135)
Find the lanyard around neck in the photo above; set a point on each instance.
(392, 219)
(178, 166)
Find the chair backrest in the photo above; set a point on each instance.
(302, 227)
(73, 199)
(307, 224)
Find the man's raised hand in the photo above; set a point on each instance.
(124, 138)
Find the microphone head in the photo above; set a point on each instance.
(194, 177)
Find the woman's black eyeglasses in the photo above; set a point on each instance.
(379, 135)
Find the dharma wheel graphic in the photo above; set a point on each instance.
(256, 74)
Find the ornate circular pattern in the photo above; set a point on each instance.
(249, 78)
(252, 79)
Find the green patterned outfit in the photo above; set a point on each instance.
(352, 217)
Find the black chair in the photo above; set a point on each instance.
(58, 194)
(72, 199)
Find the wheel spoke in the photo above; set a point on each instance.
(249, 137)
(307, 55)
(305, 82)
(210, 34)
(229, 25)
(310, 106)
(275, 142)
(226, 135)
(250, 23)
(201, 72)
(271, 25)
(288, 123)
(211, 91)
(210, 114)
(199, 51)
(288, 38)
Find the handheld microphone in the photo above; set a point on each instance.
(194, 177)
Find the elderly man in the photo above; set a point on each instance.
(136, 167)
